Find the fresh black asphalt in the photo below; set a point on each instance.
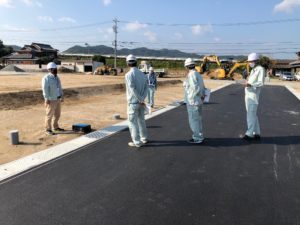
(227, 181)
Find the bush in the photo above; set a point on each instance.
(99, 58)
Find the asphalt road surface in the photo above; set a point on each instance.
(227, 181)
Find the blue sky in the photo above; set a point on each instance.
(221, 27)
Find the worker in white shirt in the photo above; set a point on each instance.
(136, 92)
(53, 95)
(253, 87)
(194, 96)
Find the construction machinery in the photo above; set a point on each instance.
(144, 67)
(105, 70)
(225, 68)
(236, 66)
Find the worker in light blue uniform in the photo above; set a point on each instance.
(136, 92)
(253, 87)
(194, 96)
(53, 95)
(152, 85)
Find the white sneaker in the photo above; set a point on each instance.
(131, 144)
(144, 141)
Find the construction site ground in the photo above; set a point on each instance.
(89, 99)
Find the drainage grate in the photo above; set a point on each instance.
(105, 132)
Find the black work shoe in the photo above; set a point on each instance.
(193, 141)
(49, 132)
(257, 137)
(58, 129)
(248, 138)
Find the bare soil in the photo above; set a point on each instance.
(89, 99)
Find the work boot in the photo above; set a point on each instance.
(144, 141)
(257, 137)
(131, 144)
(193, 141)
(49, 132)
(248, 138)
(58, 129)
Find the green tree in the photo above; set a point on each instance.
(265, 62)
(5, 50)
(99, 58)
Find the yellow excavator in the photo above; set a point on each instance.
(224, 69)
(237, 65)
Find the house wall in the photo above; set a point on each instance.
(296, 70)
(79, 67)
(26, 62)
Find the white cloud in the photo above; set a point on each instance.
(6, 3)
(32, 3)
(135, 26)
(15, 29)
(150, 35)
(106, 33)
(106, 2)
(109, 30)
(178, 36)
(28, 2)
(67, 19)
(286, 5)
(201, 29)
(45, 18)
(216, 39)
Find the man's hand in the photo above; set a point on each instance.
(248, 85)
(61, 99)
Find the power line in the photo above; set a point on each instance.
(262, 22)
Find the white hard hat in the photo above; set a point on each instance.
(189, 62)
(253, 57)
(151, 69)
(51, 65)
(130, 58)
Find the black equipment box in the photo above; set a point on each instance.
(85, 128)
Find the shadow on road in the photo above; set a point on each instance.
(230, 142)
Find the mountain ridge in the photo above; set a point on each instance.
(104, 50)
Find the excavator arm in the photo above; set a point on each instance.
(235, 66)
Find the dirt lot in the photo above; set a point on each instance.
(89, 99)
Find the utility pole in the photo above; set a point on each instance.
(115, 43)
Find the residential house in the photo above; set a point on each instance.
(295, 65)
(31, 54)
(280, 65)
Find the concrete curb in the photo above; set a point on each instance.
(293, 91)
(29, 163)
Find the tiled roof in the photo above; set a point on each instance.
(43, 46)
(295, 64)
(20, 56)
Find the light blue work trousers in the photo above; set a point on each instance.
(136, 123)
(150, 95)
(195, 121)
(252, 119)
